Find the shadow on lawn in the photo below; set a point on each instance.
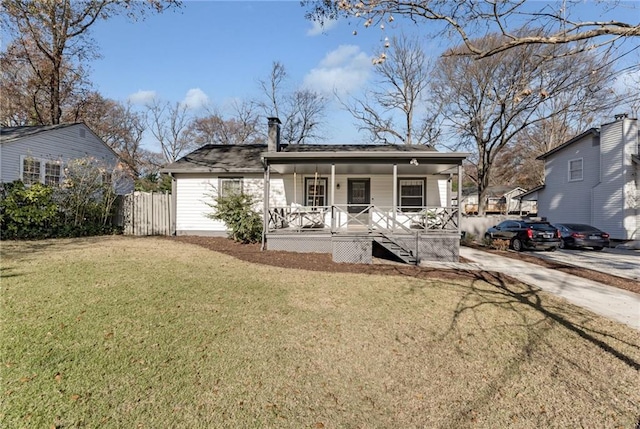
(507, 293)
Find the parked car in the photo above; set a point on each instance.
(581, 235)
(526, 234)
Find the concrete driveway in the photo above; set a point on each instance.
(614, 303)
(618, 262)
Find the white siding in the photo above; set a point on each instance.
(381, 189)
(62, 145)
(562, 200)
(195, 192)
(614, 208)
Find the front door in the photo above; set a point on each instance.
(358, 194)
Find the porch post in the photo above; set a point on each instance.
(459, 195)
(394, 194)
(333, 195)
(333, 184)
(265, 208)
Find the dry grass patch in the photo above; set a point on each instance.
(126, 332)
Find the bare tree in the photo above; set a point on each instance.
(489, 102)
(25, 90)
(301, 110)
(121, 127)
(241, 128)
(471, 19)
(169, 124)
(54, 38)
(391, 111)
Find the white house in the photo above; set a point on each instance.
(593, 179)
(39, 153)
(340, 199)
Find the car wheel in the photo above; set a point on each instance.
(487, 237)
(597, 248)
(516, 245)
(562, 245)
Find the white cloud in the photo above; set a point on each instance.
(344, 70)
(195, 99)
(317, 28)
(142, 97)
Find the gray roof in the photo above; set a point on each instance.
(215, 158)
(8, 134)
(247, 158)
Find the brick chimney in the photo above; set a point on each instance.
(273, 139)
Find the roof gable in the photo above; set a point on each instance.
(592, 131)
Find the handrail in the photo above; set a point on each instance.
(371, 217)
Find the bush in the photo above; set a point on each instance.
(28, 212)
(236, 210)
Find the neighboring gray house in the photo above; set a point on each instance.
(39, 153)
(339, 199)
(593, 179)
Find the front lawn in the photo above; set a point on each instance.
(152, 333)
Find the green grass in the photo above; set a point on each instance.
(146, 332)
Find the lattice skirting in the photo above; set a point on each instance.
(300, 244)
(354, 250)
(434, 247)
(358, 250)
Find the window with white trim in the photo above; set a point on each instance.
(35, 170)
(411, 194)
(230, 185)
(315, 191)
(575, 170)
(30, 171)
(52, 173)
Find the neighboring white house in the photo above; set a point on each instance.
(328, 198)
(500, 200)
(39, 153)
(593, 179)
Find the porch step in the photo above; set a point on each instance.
(403, 254)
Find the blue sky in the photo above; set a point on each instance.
(214, 52)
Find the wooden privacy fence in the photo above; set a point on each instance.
(146, 213)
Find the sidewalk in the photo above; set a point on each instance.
(608, 301)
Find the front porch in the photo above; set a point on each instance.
(430, 233)
(354, 204)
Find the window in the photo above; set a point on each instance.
(52, 173)
(575, 170)
(30, 171)
(230, 185)
(315, 191)
(411, 194)
(36, 170)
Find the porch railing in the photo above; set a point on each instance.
(342, 218)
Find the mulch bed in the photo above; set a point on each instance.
(324, 262)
